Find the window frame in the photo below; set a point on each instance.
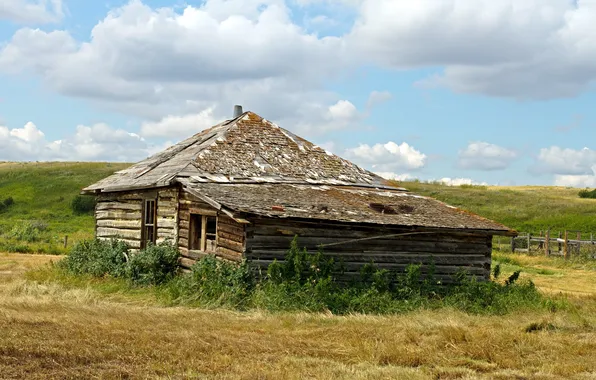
(144, 238)
(202, 241)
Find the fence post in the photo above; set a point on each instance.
(529, 242)
(566, 245)
(547, 243)
(559, 243)
(65, 241)
(512, 244)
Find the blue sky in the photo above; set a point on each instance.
(468, 91)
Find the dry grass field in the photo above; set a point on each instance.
(50, 331)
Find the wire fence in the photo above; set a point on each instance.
(568, 243)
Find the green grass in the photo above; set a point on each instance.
(524, 208)
(42, 192)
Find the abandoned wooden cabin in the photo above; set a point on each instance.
(244, 188)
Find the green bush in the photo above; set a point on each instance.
(83, 204)
(587, 193)
(97, 258)
(154, 265)
(302, 282)
(29, 231)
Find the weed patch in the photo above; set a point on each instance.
(303, 282)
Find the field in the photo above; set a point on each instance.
(53, 330)
(42, 193)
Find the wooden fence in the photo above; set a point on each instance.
(564, 244)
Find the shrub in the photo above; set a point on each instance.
(83, 204)
(587, 193)
(213, 282)
(8, 202)
(28, 231)
(97, 258)
(154, 265)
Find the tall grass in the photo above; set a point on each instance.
(303, 282)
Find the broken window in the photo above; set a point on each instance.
(203, 233)
(149, 217)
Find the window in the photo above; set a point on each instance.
(149, 217)
(203, 233)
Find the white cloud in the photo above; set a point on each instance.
(519, 49)
(179, 126)
(484, 156)
(377, 97)
(588, 180)
(151, 63)
(99, 142)
(389, 157)
(395, 176)
(32, 12)
(460, 181)
(565, 161)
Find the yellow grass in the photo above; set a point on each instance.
(47, 331)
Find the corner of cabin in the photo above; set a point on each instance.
(203, 230)
(138, 217)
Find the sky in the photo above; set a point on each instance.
(498, 92)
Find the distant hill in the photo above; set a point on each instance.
(42, 193)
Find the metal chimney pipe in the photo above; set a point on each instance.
(237, 111)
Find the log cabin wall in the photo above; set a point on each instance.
(167, 215)
(269, 239)
(119, 215)
(230, 234)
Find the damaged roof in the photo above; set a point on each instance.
(342, 204)
(248, 149)
(251, 166)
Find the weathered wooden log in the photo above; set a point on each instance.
(166, 223)
(230, 244)
(119, 233)
(105, 206)
(233, 237)
(117, 215)
(120, 224)
(183, 242)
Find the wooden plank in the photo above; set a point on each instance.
(182, 242)
(106, 206)
(389, 257)
(166, 212)
(183, 232)
(167, 204)
(236, 230)
(119, 233)
(233, 237)
(136, 244)
(124, 215)
(266, 242)
(228, 254)
(166, 223)
(166, 233)
(238, 247)
(202, 211)
(121, 224)
(186, 262)
(439, 269)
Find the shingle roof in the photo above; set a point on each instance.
(342, 204)
(249, 165)
(248, 149)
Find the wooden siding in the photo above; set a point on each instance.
(269, 239)
(167, 215)
(230, 234)
(119, 216)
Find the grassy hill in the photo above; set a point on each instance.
(42, 194)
